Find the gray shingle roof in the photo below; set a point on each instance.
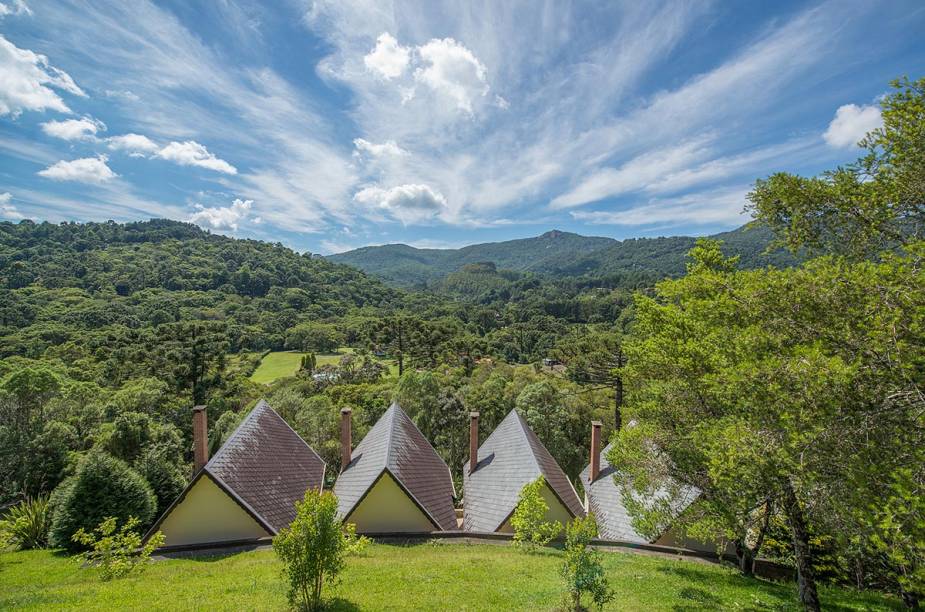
(605, 502)
(509, 458)
(396, 444)
(266, 465)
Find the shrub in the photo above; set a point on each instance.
(531, 528)
(102, 487)
(26, 524)
(582, 568)
(116, 552)
(312, 548)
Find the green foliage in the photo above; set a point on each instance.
(309, 336)
(582, 568)
(116, 552)
(898, 533)
(26, 524)
(531, 529)
(313, 547)
(102, 487)
(476, 268)
(866, 207)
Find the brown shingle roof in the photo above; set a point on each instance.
(268, 466)
(511, 457)
(395, 444)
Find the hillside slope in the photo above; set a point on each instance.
(557, 254)
(405, 266)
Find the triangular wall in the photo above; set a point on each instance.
(386, 508)
(207, 514)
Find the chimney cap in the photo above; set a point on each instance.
(473, 415)
(596, 424)
(346, 410)
(198, 408)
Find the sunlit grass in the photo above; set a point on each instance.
(422, 577)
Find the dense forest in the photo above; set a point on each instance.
(788, 389)
(562, 255)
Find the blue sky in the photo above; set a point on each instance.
(332, 125)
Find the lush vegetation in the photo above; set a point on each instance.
(555, 255)
(794, 398)
(788, 399)
(313, 548)
(428, 577)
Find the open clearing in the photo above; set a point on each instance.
(421, 577)
(280, 364)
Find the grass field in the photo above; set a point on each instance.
(280, 364)
(422, 577)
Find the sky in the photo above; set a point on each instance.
(330, 125)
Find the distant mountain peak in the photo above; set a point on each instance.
(554, 234)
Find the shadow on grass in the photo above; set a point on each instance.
(339, 604)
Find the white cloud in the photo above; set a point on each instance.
(122, 94)
(26, 79)
(723, 206)
(7, 210)
(387, 148)
(851, 124)
(85, 170)
(224, 218)
(73, 129)
(388, 59)
(411, 203)
(453, 71)
(136, 145)
(16, 8)
(634, 175)
(191, 153)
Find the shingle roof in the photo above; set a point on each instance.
(605, 502)
(267, 466)
(395, 444)
(511, 457)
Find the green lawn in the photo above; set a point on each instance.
(280, 364)
(423, 577)
(277, 365)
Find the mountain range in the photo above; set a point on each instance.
(559, 254)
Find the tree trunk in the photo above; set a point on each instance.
(745, 558)
(806, 579)
(911, 600)
(618, 402)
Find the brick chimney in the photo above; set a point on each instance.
(595, 450)
(200, 438)
(346, 437)
(473, 441)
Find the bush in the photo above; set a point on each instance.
(312, 548)
(103, 487)
(582, 568)
(26, 524)
(531, 528)
(116, 553)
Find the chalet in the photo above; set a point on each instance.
(393, 481)
(604, 499)
(511, 457)
(248, 490)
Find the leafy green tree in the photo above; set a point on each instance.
(531, 529)
(582, 568)
(596, 358)
(866, 207)
(116, 551)
(321, 337)
(312, 548)
(102, 487)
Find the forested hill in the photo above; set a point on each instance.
(163, 254)
(558, 254)
(109, 285)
